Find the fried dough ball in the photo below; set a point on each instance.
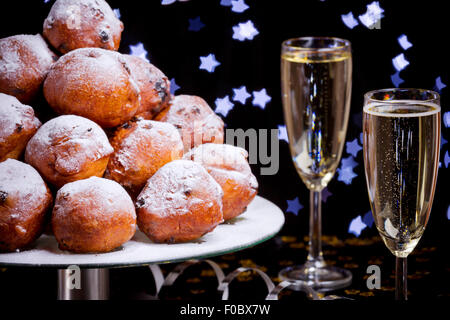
(228, 165)
(153, 84)
(141, 147)
(17, 125)
(73, 24)
(180, 202)
(197, 122)
(93, 215)
(24, 202)
(69, 148)
(24, 63)
(93, 83)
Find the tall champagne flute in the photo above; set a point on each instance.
(401, 156)
(316, 78)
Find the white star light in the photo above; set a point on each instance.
(400, 62)
(404, 43)
(349, 20)
(238, 6)
(446, 119)
(282, 133)
(209, 63)
(356, 226)
(372, 16)
(244, 31)
(241, 94)
(139, 51)
(223, 105)
(117, 13)
(261, 98)
(167, 2)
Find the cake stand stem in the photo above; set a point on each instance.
(83, 284)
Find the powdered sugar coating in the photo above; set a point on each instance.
(180, 202)
(23, 183)
(141, 148)
(24, 200)
(153, 85)
(24, 62)
(228, 165)
(67, 145)
(94, 193)
(73, 24)
(14, 115)
(93, 83)
(172, 189)
(93, 215)
(195, 119)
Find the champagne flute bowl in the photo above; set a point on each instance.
(316, 78)
(401, 130)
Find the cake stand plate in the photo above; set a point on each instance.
(260, 222)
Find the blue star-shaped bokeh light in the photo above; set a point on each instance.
(223, 105)
(209, 63)
(282, 133)
(349, 20)
(368, 219)
(356, 226)
(245, 31)
(353, 147)
(326, 194)
(439, 85)
(167, 2)
(238, 6)
(225, 3)
(261, 98)
(372, 15)
(448, 213)
(241, 94)
(396, 80)
(403, 41)
(173, 86)
(139, 51)
(345, 172)
(446, 119)
(294, 206)
(117, 13)
(446, 159)
(195, 24)
(400, 62)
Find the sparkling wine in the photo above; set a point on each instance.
(401, 155)
(316, 99)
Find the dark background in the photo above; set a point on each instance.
(255, 63)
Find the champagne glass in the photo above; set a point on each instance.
(316, 78)
(401, 158)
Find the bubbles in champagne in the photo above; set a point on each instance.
(316, 96)
(401, 152)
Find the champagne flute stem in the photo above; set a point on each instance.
(315, 229)
(401, 276)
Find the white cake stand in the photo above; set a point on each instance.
(260, 222)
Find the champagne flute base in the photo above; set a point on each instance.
(322, 279)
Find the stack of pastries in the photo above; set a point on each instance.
(122, 153)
